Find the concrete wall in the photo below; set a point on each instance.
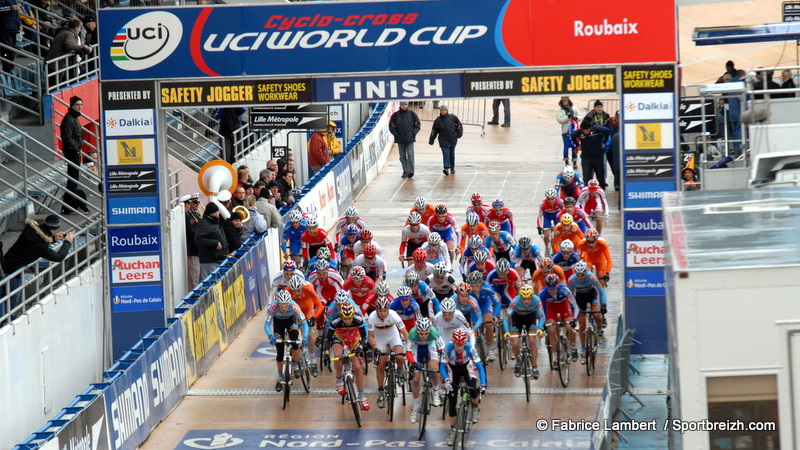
(49, 354)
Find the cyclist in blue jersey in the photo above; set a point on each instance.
(284, 314)
(499, 242)
(489, 303)
(292, 232)
(467, 303)
(567, 257)
(405, 305)
(526, 314)
(504, 281)
(569, 183)
(459, 361)
(426, 299)
(590, 296)
(557, 299)
(323, 254)
(525, 256)
(474, 244)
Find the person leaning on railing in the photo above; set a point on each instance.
(66, 42)
(33, 243)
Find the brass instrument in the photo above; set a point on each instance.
(243, 211)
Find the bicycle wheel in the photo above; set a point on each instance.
(526, 371)
(502, 350)
(467, 422)
(591, 348)
(444, 406)
(403, 389)
(564, 358)
(305, 371)
(481, 341)
(461, 422)
(424, 410)
(354, 400)
(391, 391)
(287, 379)
(549, 353)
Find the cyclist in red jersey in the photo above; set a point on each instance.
(546, 220)
(503, 215)
(314, 238)
(579, 216)
(326, 282)
(414, 234)
(361, 287)
(479, 208)
(350, 217)
(593, 201)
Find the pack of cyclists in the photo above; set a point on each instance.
(461, 285)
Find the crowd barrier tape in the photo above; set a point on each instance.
(151, 378)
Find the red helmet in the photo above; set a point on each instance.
(460, 336)
(476, 198)
(593, 185)
(366, 235)
(370, 250)
(419, 255)
(289, 264)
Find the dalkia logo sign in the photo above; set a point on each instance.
(146, 41)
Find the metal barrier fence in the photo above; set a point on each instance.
(471, 112)
(617, 384)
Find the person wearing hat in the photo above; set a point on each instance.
(404, 126)
(34, 243)
(89, 30)
(449, 129)
(689, 177)
(318, 152)
(233, 231)
(192, 217)
(597, 116)
(334, 146)
(567, 116)
(212, 245)
(72, 147)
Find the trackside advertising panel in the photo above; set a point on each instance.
(234, 308)
(88, 429)
(147, 391)
(326, 38)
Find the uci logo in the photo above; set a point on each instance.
(146, 40)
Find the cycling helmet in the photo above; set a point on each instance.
(342, 297)
(550, 193)
(411, 278)
(419, 255)
(592, 235)
(434, 239)
(351, 213)
(546, 265)
(593, 185)
(566, 248)
(475, 277)
(284, 297)
(568, 174)
(503, 266)
(566, 219)
(382, 302)
(366, 235)
(580, 267)
(295, 216)
(347, 311)
(404, 291)
(420, 203)
(497, 203)
(494, 227)
(289, 264)
(526, 291)
(323, 253)
(440, 269)
(551, 280)
(423, 325)
(463, 288)
(481, 256)
(473, 219)
(569, 201)
(448, 305)
(370, 251)
(474, 241)
(460, 336)
(357, 273)
(414, 218)
(525, 242)
(441, 208)
(311, 222)
(382, 289)
(322, 265)
(296, 283)
(352, 230)
(477, 198)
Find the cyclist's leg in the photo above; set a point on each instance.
(488, 328)
(336, 348)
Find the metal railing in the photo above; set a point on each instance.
(37, 191)
(190, 139)
(471, 112)
(66, 70)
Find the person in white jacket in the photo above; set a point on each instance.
(257, 223)
(568, 116)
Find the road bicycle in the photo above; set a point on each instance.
(349, 378)
(591, 341)
(391, 380)
(287, 377)
(563, 351)
(463, 416)
(503, 350)
(525, 360)
(425, 398)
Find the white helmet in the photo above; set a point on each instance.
(420, 202)
(568, 174)
(566, 248)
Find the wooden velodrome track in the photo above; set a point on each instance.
(234, 404)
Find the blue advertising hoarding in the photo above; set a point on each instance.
(137, 298)
(644, 283)
(136, 239)
(646, 194)
(643, 223)
(382, 88)
(131, 210)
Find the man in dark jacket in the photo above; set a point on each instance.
(212, 246)
(34, 243)
(72, 144)
(233, 231)
(404, 126)
(9, 27)
(590, 141)
(449, 129)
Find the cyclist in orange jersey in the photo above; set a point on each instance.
(547, 267)
(473, 227)
(594, 250)
(424, 209)
(566, 230)
(305, 295)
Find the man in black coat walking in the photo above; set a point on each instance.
(212, 245)
(590, 140)
(449, 129)
(404, 126)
